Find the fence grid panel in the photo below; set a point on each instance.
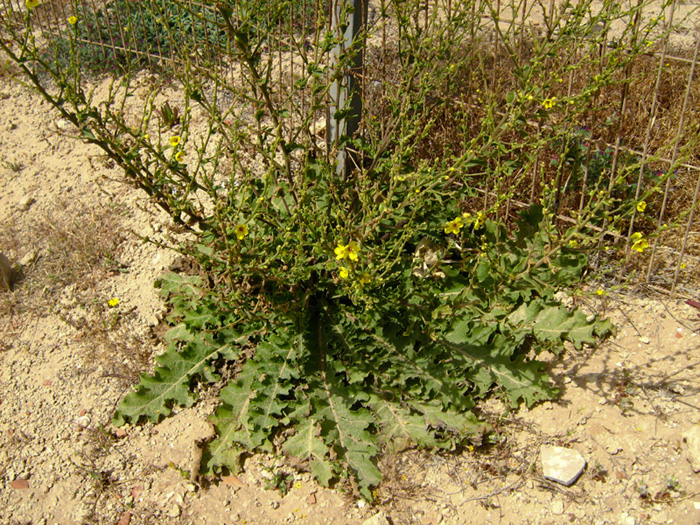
(654, 99)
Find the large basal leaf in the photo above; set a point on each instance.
(345, 427)
(495, 364)
(306, 445)
(229, 423)
(252, 407)
(556, 324)
(461, 423)
(400, 427)
(170, 382)
(411, 365)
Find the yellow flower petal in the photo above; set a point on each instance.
(340, 252)
(175, 140)
(454, 226)
(241, 230)
(352, 250)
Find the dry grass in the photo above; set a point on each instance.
(69, 253)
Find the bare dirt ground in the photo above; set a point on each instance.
(67, 357)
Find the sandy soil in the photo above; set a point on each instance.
(67, 357)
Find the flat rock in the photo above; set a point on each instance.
(29, 258)
(5, 272)
(691, 444)
(378, 519)
(26, 203)
(20, 484)
(562, 465)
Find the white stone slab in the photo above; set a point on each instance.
(562, 465)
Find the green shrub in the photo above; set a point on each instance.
(370, 310)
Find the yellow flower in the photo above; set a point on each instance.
(344, 273)
(480, 218)
(72, 20)
(573, 243)
(340, 252)
(641, 206)
(454, 226)
(364, 279)
(600, 291)
(175, 140)
(31, 4)
(352, 250)
(549, 103)
(682, 266)
(639, 243)
(241, 230)
(113, 302)
(180, 156)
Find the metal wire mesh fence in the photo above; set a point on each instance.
(636, 141)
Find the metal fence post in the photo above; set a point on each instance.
(345, 109)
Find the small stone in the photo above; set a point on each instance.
(378, 519)
(626, 519)
(558, 507)
(173, 511)
(26, 202)
(232, 480)
(312, 498)
(562, 465)
(20, 484)
(125, 519)
(46, 382)
(120, 432)
(691, 444)
(645, 340)
(29, 258)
